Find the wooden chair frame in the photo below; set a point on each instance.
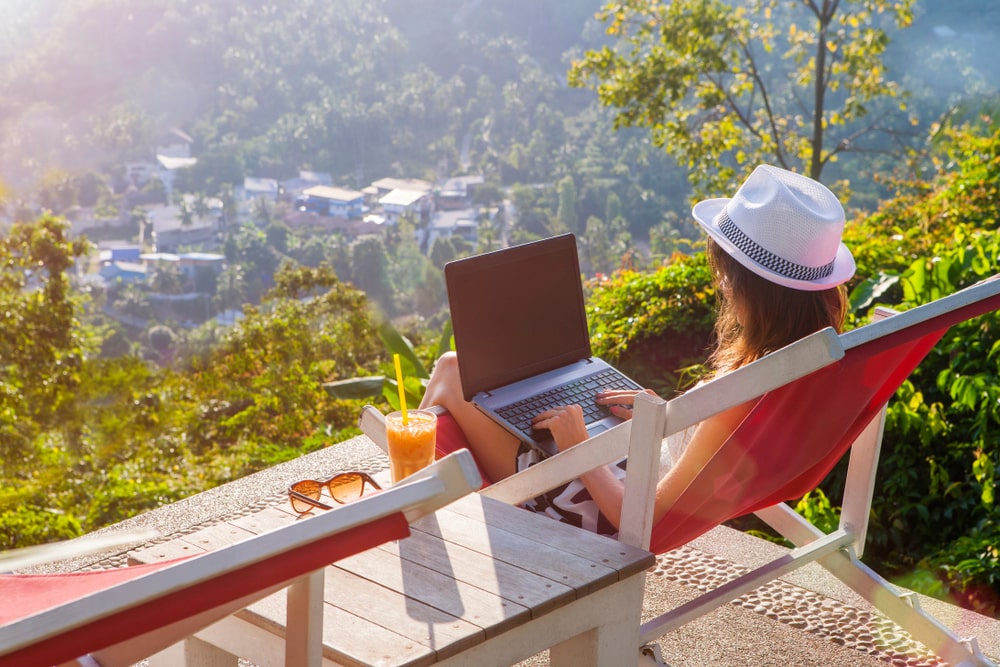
(121, 616)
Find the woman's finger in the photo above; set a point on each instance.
(623, 411)
(616, 397)
(552, 413)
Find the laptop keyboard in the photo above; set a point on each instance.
(580, 392)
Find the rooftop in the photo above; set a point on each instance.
(402, 184)
(334, 193)
(400, 197)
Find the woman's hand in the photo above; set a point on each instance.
(566, 424)
(620, 401)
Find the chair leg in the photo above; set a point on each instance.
(904, 609)
(651, 656)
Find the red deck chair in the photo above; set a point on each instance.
(803, 424)
(120, 616)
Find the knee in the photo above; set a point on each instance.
(446, 365)
(445, 384)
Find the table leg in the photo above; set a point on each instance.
(304, 625)
(613, 641)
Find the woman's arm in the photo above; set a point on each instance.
(708, 437)
(568, 429)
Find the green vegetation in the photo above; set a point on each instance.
(702, 77)
(89, 440)
(101, 418)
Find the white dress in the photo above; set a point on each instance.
(571, 503)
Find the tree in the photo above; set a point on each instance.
(163, 341)
(42, 348)
(132, 301)
(442, 252)
(276, 232)
(57, 191)
(488, 230)
(168, 279)
(604, 245)
(231, 288)
(722, 86)
(567, 219)
(370, 270)
(263, 212)
(613, 207)
(262, 383)
(184, 210)
(125, 130)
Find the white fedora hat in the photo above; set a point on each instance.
(784, 227)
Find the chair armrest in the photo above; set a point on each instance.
(603, 448)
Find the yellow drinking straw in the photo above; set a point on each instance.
(402, 392)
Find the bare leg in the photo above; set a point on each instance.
(494, 448)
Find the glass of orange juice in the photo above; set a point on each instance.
(411, 447)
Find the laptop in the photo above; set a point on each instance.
(521, 335)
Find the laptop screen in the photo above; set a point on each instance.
(517, 312)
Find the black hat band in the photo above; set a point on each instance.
(768, 259)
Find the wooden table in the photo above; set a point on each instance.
(477, 583)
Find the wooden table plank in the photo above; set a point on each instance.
(581, 574)
(599, 548)
(359, 642)
(442, 632)
(448, 592)
(518, 585)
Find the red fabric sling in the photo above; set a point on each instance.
(26, 595)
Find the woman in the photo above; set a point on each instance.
(779, 268)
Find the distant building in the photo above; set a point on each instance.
(123, 272)
(174, 143)
(267, 188)
(397, 203)
(191, 262)
(332, 201)
(457, 192)
(186, 262)
(168, 167)
(445, 224)
(384, 186)
(294, 187)
(170, 231)
(118, 251)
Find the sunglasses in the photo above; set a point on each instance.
(342, 487)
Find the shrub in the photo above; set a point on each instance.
(936, 483)
(29, 524)
(654, 326)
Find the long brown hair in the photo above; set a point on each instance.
(757, 316)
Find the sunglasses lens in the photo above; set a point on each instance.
(307, 488)
(346, 487)
(300, 506)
